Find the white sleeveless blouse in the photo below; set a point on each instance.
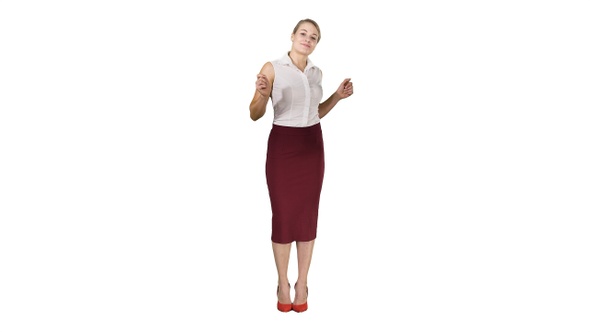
(296, 95)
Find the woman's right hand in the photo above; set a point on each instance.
(262, 85)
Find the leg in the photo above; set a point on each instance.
(281, 254)
(304, 252)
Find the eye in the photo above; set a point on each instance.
(314, 38)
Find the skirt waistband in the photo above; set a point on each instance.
(313, 129)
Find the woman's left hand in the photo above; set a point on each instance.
(345, 89)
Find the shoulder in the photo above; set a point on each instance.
(267, 66)
(316, 72)
(313, 67)
(268, 70)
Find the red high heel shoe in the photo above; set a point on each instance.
(301, 307)
(284, 307)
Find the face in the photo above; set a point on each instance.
(305, 39)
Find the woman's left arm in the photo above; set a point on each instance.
(343, 91)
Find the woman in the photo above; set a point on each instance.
(295, 154)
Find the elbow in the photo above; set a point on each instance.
(255, 115)
(252, 115)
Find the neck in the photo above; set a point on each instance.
(298, 60)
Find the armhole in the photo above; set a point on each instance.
(274, 76)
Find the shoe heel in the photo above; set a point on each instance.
(284, 307)
(300, 307)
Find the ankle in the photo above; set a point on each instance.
(301, 284)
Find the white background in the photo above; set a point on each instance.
(133, 195)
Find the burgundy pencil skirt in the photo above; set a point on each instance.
(294, 175)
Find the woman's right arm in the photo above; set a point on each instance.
(264, 81)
